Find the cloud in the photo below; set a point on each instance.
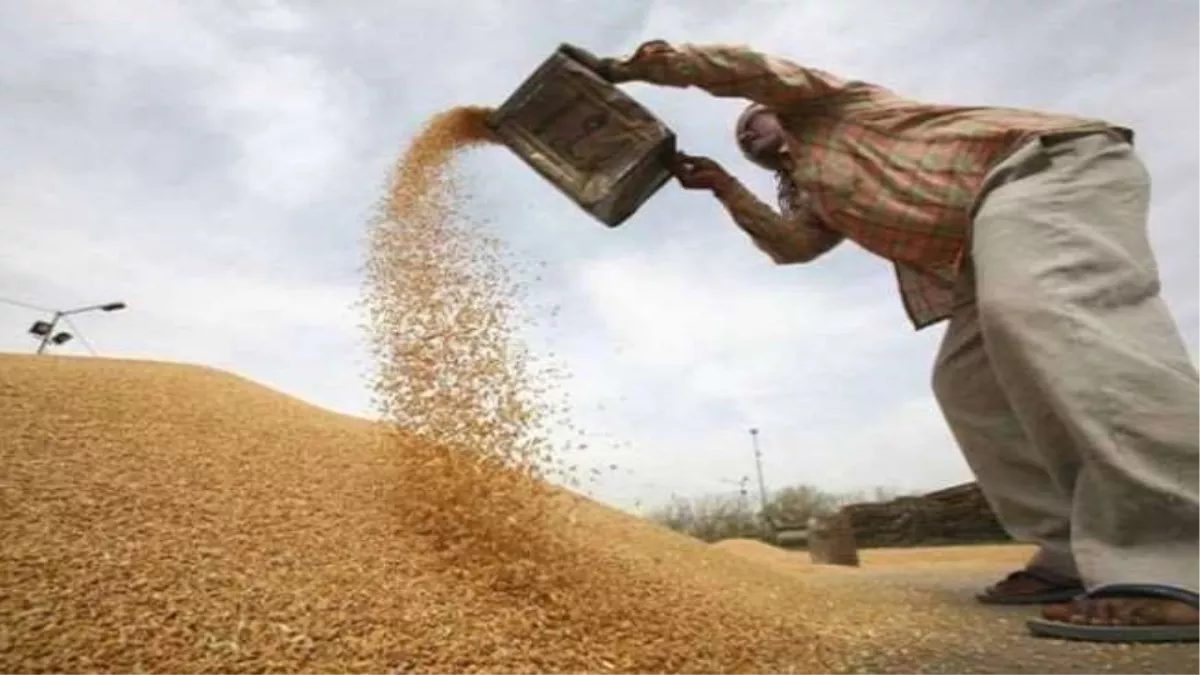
(214, 166)
(292, 121)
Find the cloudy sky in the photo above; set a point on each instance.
(213, 165)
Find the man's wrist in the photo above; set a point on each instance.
(725, 188)
(618, 71)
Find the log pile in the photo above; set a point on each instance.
(955, 515)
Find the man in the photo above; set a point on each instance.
(1061, 373)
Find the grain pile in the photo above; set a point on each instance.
(789, 562)
(168, 518)
(171, 518)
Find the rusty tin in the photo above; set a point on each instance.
(587, 137)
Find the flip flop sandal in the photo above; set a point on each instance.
(1130, 633)
(1061, 590)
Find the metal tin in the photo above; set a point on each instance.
(587, 138)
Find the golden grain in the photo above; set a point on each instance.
(168, 518)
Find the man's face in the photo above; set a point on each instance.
(763, 139)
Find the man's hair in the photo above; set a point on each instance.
(786, 191)
(793, 199)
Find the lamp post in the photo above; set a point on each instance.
(762, 483)
(45, 329)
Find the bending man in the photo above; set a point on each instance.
(1061, 374)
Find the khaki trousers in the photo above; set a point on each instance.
(1065, 382)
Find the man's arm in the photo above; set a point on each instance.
(731, 71)
(797, 238)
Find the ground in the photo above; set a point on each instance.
(984, 639)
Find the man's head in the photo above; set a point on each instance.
(761, 137)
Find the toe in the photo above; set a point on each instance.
(1122, 612)
(1060, 612)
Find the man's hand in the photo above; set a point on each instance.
(616, 71)
(701, 173)
(651, 49)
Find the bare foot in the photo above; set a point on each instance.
(1124, 612)
(1132, 612)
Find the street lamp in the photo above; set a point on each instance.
(765, 514)
(762, 483)
(45, 329)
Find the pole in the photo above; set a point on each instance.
(49, 332)
(762, 484)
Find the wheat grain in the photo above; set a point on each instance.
(168, 518)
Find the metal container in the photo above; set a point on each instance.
(587, 137)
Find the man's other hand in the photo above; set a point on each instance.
(700, 173)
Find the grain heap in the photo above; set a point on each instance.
(169, 518)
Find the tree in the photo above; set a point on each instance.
(792, 506)
(721, 516)
(709, 518)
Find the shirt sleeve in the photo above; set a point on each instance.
(796, 238)
(732, 71)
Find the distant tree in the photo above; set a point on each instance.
(794, 505)
(709, 517)
(715, 517)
